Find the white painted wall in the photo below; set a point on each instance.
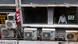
(37, 42)
(33, 42)
(50, 15)
(45, 42)
(8, 41)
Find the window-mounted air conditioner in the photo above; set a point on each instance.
(10, 24)
(48, 34)
(11, 16)
(7, 34)
(30, 33)
(71, 35)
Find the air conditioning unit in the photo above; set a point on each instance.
(48, 34)
(11, 16)
(60, 34)
(30, 33)
(10, 24)
(7, 33)
(71, 35)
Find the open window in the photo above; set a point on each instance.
(3, 17)
(65, 15)
(36, 15)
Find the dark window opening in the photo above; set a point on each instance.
(35, 15)
(69, 13)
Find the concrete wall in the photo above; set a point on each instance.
(34, 42)
(37, 42)
(50, 15)
(8, 42)
(45, 42)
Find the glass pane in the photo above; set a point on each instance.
(49, 1)
(7, 9)
(7, 1)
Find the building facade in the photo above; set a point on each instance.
(50, 14)
(59, 18)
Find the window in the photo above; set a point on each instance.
(35, 15)
(3, 17)
(63, 15)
